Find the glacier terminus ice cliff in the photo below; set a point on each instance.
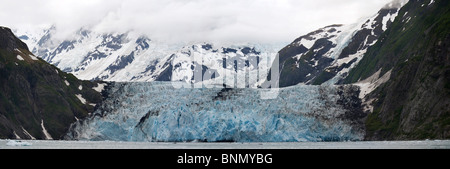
(158, 112)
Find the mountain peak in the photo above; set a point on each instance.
(35, 93)
(9, 41)
(327, 54)
(395, 4)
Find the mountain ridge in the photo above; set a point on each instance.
(37, 100)
(130, 56)
(327, 54)
(414, 103)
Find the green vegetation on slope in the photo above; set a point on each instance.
(32, 91)
(414, 103)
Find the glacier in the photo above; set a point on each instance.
(157, 112)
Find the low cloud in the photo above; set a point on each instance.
(255, 21)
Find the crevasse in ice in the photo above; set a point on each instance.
(158, 112)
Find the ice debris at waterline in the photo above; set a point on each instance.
(18, 143)
(158, 112)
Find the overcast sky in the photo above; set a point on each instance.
(257, 21)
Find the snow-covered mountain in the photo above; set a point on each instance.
(219, 65)
(91, 55)
(326, 55)
(323, 56)
(129, 56)
(31, 35)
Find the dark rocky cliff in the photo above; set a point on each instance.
(37, 100)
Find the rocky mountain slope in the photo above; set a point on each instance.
(400, 60)
(38, 100)
(327, 54)
(414, 52)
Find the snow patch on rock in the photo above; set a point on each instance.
(80, 97)
(28, 134)
(46, 134)
(370, 84)
(100, 87)
(20, 57)
(15, 134)
(33, 57)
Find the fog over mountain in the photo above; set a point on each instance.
(255, 21)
